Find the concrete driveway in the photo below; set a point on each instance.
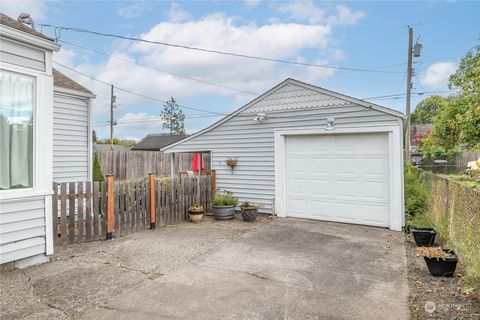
(280, 269)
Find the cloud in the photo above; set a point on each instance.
(437, 74)
(37, 9)
(309, 11)
(278, 40)
(176, 14)
(252, 3)
(132, 125)
(133, 10)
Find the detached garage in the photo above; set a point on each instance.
(303, 151)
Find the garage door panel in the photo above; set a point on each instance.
(338, 177)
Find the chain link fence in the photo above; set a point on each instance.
(454, 209)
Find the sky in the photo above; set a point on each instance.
(371, 36)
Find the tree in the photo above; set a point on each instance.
(427, 108)
(94, 136)
(457, 125)
(97, 169)
(173, 117)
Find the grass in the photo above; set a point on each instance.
(469, 181)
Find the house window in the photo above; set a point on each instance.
(16, 130)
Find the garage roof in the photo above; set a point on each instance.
(318, 89)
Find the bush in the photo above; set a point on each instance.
(415, 195)
(224, 198)
(97, 170)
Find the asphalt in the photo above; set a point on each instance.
(272, 269)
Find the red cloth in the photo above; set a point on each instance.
(195, 162)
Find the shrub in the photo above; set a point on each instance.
(224, 198)
(415, 195)
(97, 170)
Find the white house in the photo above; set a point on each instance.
(303, 151)
(44, 137)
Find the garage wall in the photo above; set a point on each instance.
(252, 143)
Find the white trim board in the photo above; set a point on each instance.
(276, 88)
(396, 219)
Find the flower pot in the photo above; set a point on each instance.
(442, 267)
(195, 216)
(224, 212)
(424, 237)
(249, 214)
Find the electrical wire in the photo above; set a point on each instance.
(233, 54)
(134, 93)
(158, 69)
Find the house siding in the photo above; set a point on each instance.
(22, 228)
(21, 55)
(292, 106)
(70, 138)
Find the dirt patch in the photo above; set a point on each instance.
(437, 297)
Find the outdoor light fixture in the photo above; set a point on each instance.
(330, 124)
(261, 116)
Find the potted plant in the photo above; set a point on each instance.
(195, 212)
(224, 204)
(424, 237)
(249, 211)
(440, 262)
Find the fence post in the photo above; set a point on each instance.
(151, 180)
(213, 174)
(110, 207)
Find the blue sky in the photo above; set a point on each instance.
(366, 35)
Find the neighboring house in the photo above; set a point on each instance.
(418, 132)
(155, 142)
(44, 137)
(303, 151)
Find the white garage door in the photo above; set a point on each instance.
(338, 177)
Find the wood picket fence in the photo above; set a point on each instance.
(89, 211)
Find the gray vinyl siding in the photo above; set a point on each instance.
(253, 179)
(22, 228)
(70, 138)
(21, 55)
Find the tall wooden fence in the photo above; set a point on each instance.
(129, 165)
(86, 211)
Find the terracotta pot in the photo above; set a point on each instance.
(195, 216)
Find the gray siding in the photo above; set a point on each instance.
(253, 179)
(22, 228)
(70, 138)
(21, 55)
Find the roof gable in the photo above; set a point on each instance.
(292, 85)
(62, 81)
(12, 23)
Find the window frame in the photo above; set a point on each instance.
(34, 131)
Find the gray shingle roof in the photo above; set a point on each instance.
(61, 80)
(12, 23)
(155, 142)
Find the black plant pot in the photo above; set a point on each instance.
(424, 237)
(442, 267)
(249, 215)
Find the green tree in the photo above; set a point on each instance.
(173, 117)
(97, 169)
(427, 108)
(94, 136)
(457, 125)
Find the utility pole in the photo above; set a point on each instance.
(112, 101)
(409, 88)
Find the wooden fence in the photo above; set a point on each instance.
(129, 165)
(86, 211)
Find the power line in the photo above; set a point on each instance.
(404, 94)
(134, 93)
(158, 69)
(157, 120)
(239, 55)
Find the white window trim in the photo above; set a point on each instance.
(396, 219)
(42, 135)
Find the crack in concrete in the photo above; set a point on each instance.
(42, 300)
(149, 275)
